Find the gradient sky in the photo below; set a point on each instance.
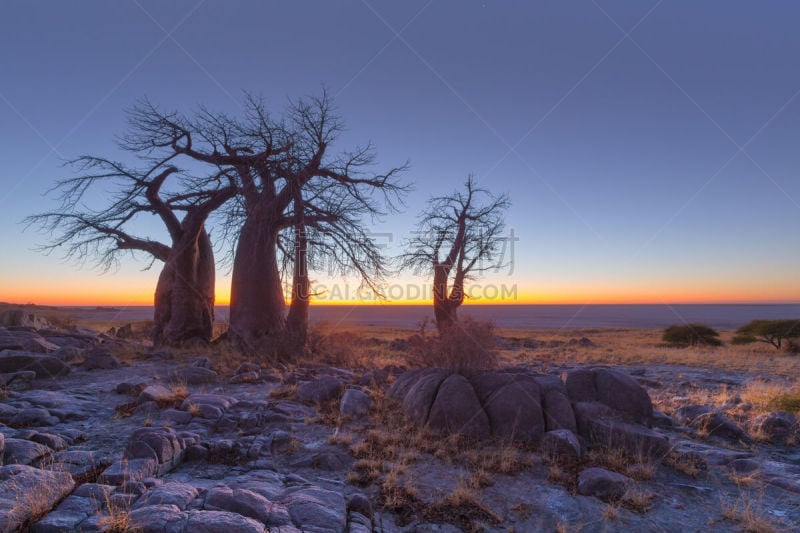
(650, 149)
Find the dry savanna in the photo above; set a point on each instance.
(395, 429)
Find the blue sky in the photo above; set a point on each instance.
(649, 148)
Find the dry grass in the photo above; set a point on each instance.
(283, 391)
(748, 511)
(684, 464)
(771, 396)
(465, 347)
(643, 346)
(611, 513)
(638, 500)
(117, 519)
(639, 467)
(462, 507)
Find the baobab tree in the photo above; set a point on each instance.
(278, 164)
(184, 294)
(457, 237)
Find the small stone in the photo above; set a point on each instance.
(320, 391)
(245, 377)
(359, 503)
(99, 359)
(603, 484)
(778, 427)
(194, 375)
(246, 368)
(196, 453)
(561, 446)
(355, 404)
(717, 424)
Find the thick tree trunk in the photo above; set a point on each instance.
(184, 298)
(297, 319)
(443, 309)
(257, 304)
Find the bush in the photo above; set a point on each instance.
(691, 335)
(466, 347)
(778, 333)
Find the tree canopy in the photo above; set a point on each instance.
(683, 335)
(773, 332)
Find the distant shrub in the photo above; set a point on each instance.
(466, 347)
(691, 335)
(782, 333)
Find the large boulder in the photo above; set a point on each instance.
(597, 424)
(515, 409)
(557, 408)
(580, 385)
(421, 395)
(518, 404)
(623, 393)
(456, 409)
(612, 388)
(161, 444)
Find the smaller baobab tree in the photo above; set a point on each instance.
(458, 236)
(184, 294)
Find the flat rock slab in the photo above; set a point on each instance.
(160, 518)
(317, 510)
(247, 503)
(705, 454)
(23, 452)
(26, 492)
(126, 470)
(82, 465)
(45, 366)
(85, 502)
(193, 375)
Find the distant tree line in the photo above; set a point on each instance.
(780, 334)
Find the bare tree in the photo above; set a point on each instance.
(285, 178)
(184, 295)
(329, 234)
(457, 237)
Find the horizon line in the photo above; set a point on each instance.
(430, 303)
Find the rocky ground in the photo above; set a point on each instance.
(174, 442)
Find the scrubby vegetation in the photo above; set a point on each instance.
(691, 335)
(777, 333)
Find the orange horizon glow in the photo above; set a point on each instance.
(95, 299)
(108, 292)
